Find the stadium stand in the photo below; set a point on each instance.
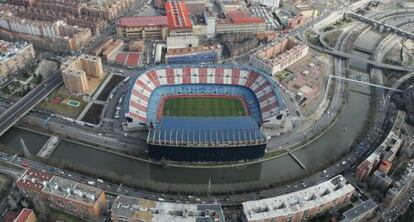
(140, 109)
(201, 138)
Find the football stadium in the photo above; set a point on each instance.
(203, 113)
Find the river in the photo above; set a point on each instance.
(316, 155)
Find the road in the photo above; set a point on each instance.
(345, 165)
(30, 100)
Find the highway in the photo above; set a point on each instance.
(30, 100)
(375, 23)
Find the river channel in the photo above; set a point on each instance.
(316, 155)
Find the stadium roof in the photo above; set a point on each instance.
(177, 15)
(140, 21)
(206, 130)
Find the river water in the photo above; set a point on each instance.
(317, 155)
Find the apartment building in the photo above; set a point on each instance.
(14, 56)
(76, 70)
(301, 205)
(67, 195)
(133, 209)
(279, 55)
(54, 36)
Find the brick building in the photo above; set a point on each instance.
(279, 55)
(76, 70)
(301, 205)
(143, 27)
(67, 195)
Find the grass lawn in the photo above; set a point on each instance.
(63, 108)
(203, 107)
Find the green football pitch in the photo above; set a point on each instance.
(203, 107)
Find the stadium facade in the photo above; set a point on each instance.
(191, 135)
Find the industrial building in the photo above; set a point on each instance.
(67, 195)
(143, 27)
(300, 205)
(14, 56)
(76, 70)
(133, 209)
(194, 54)
(279, 55)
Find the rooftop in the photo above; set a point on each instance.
(301, 200)
(33, 180)
(203, 130)
(72, 190)
(359, 210)
(9, 49)
(138, 209)
(192, 49)
(177, 14)
(143, 21)
(23, 215)
(44, 182)
(239, 17)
